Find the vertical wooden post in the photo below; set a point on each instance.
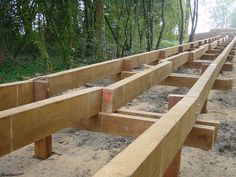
(203, 69)
(174, 167)
(43, 147)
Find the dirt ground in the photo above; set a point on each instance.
(80, 153)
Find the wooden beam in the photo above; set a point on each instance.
(196, 54)
(65, 80)
(213, 51)
(118, 94)
(17, 94)
(43, 118)
(174, 168)
(177, 60)
(186, 80)
(116, 124)
(214, 123)
(184, 47)
(230, 58)
(201, 136)
(134, 125)
(125, 74)
(200, 121)
(42, 147)
(167, 52)
(21, 93)
(198, 63)
(140, 59)
(208, 56)
(139, 113)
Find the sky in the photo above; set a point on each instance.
(204, 21)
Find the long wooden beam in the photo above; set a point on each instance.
(201, 136)
(164, 138)
(23, 125)
(116, 95)
(197, 64)
(186, 80)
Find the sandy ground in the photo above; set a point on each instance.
(80, 153)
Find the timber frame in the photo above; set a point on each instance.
(31, 111)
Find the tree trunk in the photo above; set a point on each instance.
(194, 19)
(163, 24)
(100, 30)
(181, 30)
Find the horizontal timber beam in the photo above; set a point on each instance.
(139, 113)
(26, 124)
(197, 64)
(201, 136)
(186, 80)
(119, 93)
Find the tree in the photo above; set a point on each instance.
(181, 23)
(220, 13)
(100, 30)
(163, 24)
(233, 18)
(194, 18)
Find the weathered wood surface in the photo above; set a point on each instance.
(164, 138)
(26, 124)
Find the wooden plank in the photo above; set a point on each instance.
(208, 56)
(118, 94)
(139, 113)
(45, 117)
(213, 51)
(196, 54)
(168, 51)
(198, 63)
(125, 74)
(65, 80)
(17, 93)
(213, 45)
(184, 47)
(139, 59)
(21, 93)
(124, 125)
(214, 123)
(133, 126)
(42, 147)
(177, 60)
(116, 124)
(201, 136)
(174, 168)
(186, 80)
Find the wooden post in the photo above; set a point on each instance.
(203, 69)
(42, 147)
(174, 167)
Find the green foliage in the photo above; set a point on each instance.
(43, 36)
